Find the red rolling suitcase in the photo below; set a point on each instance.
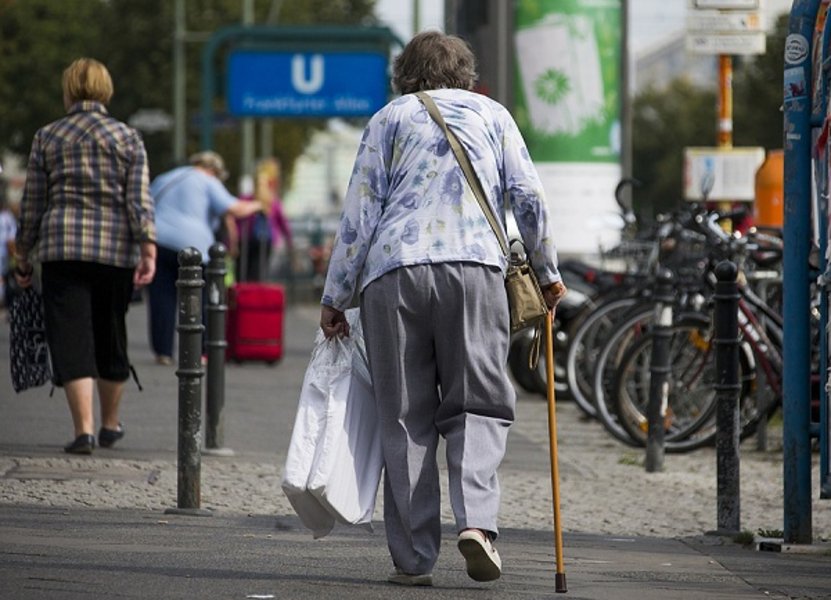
(255, 322)
(254, 327)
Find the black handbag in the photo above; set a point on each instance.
(28, 351)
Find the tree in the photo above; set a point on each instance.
(36, 37)
(664, 123)
(757, 93)
(134, 38)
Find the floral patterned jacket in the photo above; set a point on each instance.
(408, 202)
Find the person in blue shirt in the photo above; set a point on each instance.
(190, 201)
(415, 244)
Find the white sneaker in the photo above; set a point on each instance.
(483, 562)
(399, 577)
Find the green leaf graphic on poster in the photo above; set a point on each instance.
(552, 86)
(567, 79)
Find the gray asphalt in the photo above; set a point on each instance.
(66, 550)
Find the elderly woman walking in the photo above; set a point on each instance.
(87, 217)
(414, 242)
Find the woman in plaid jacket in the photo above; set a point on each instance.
(87, 218)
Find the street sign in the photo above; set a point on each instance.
(306, 84)
(731, 173)
(716, 21)
(151, 120)
(721, 43)
(725, 27)
(728, 4)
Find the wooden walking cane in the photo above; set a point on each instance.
(560, 573)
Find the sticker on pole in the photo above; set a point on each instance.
(796, 49)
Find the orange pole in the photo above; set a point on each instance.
(725, 101)
(725, 118)
(560, 574)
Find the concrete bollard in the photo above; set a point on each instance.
(659, 370)
(189, 294)
(216, 343)
(728, 388)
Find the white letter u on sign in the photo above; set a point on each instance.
(299, 80)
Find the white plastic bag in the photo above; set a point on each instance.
(334, 462)
(328, 369)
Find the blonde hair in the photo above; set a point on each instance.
(87, 79)
(267, 182)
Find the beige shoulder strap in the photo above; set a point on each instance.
(467, 168)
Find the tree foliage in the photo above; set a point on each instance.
(666, 121)
(134, 38)
(36, 37)
(758, 95)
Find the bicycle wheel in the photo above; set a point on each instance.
(690, 420)
(585, 346)
(618, 343)
(691, 401)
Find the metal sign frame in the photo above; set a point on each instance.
(796, 399)
(269, 37)
(289, 83)
(733, 171)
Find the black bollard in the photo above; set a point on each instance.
(727, 387)
(216, 343)
(189, 295)
(659, 370)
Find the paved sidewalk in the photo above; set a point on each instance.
(83, 527)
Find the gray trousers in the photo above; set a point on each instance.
(437, 339)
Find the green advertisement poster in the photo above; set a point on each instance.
(567, 79)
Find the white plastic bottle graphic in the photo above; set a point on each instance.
(559, 63)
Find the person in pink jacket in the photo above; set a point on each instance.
(262, 233)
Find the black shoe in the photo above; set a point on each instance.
(108, 437)
(83, 444)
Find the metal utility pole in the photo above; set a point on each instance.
(503, 41)
(416, 16)
(725, 115)
(798, 526)
(179, 108)
(725, 101)
(625, 104)
(247, 166)
(267, 125)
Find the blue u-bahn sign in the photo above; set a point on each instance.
(306, 84)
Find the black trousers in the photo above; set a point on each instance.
(85, 305)
(163, 302)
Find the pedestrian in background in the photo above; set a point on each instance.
(433, 312)
(190, 203)
(263, 233)
(87, 217)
